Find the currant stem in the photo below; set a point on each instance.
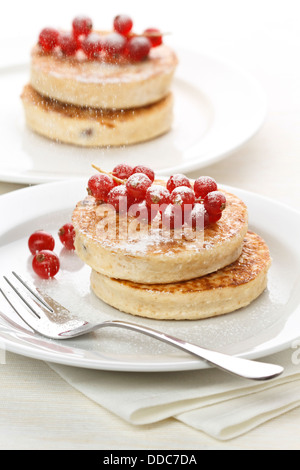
(118, 180)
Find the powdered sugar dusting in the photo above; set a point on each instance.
(129, 236)
(137, 178)
(161, 60)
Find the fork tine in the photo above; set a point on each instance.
(40, 304)
(33, 291)
(31, 304)
(34, 314)
(21, 310)
(48, 305)
(32, 299)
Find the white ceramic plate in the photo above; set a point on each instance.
(268, 325)
(218, 107)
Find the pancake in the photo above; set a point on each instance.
(91, 127)
(225, 291)
(100, 84)
(153, 255)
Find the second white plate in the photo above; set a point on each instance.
(218, 107)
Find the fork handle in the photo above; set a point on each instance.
(238, 366)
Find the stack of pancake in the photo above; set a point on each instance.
(162, 276)
(93, 103)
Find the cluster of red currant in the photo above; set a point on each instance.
(41, 244)
(179, 202)
(122, 42)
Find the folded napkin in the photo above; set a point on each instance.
(210, 400)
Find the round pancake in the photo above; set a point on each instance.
(153, 255)
(225, 291)
(100, 84)
(90, 127)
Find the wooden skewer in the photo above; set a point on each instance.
(149, 34)
(118, 180)
(155, 34)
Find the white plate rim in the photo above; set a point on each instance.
(36, 177)
(13, 340)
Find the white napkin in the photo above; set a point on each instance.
(210, 400)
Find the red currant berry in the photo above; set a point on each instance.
(99, 186)
(214, 202)
(154, 36)
(138, 48)
(144, 169)
(92, 45)
(137, 186)
(68, 44)
(82, 26)
(67, 236)
(172, 217)
(48, 39)
(119, 198)
(122, 171)
(45, 264)
(114, 44)
(197, 218)
(123, 24)
(213, 218)
(178, 180)
(40, 240)
(204, 185)
(182, 195)
(157, 194)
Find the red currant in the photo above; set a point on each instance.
(137, 185)
(154, 36)
(213, 218)
(100, 185)
(204, 185)
(144, 169)
(122, 171)
(48, 39)
(214, 202)
(67, 236)
(172, 217)
(182, 195)
(178, 180)
(45, 264)
(198, 217)
(119, 198)
(40, 240)
(68, 44)
(138, 48)
(157, 194)
(114, 44)
(92, 45)
(123, 24)
(82, 25)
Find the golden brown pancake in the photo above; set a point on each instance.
(153, 255)
(92, 127)
(101, 102)
(100, 84)
(218, 293)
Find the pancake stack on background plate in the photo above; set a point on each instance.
(109, 89)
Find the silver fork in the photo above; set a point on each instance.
(50, 319)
